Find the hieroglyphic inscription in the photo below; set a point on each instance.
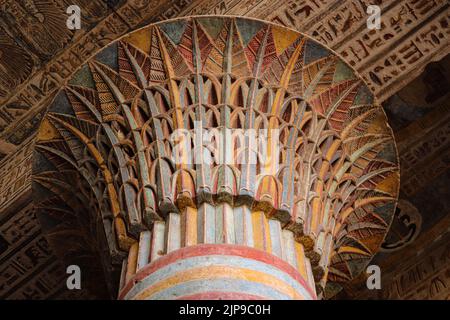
(15, 176)
(420, 162)
(24, 252)
(24, 264)
(424, 149)
(17, 229)
(44, 286)
(412, 34)
(29, 270)
(406, 60)
(428, 278)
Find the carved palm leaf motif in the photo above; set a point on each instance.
(330, 176)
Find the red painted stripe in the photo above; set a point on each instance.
(214, 295)
(216, 249)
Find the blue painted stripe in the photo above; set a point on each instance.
(224, 285)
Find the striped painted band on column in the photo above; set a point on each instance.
(212, 271)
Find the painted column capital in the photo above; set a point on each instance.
(214, 132)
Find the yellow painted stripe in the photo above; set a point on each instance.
(190, 218)
(211, 272)
(261, 231)
(267, 238)
(300, 253)
(316, 205)
(132, 262)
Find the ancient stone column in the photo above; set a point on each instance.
(216, 158)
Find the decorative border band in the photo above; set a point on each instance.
(218, 271)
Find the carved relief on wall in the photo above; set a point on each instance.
(23, 252)
(38, 24)
(15, 177)
(15, 66)
(412, 33)
(423, 276)
(28, 267)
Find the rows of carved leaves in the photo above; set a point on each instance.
(118, 138)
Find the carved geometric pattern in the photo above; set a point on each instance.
(107, 135)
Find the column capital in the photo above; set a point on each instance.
(308, 171)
